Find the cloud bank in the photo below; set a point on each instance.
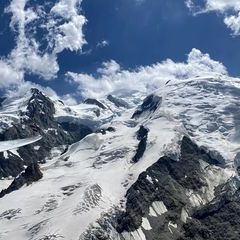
(230, 9)
(145, 79)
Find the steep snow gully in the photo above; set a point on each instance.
(163, 165)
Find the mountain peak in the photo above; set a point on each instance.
(40, 107)
(35, 91)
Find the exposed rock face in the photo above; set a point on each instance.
(95, 102)
(31, 174)
(219, 219)
(40, 109)
(142, 135)
(11, 165)
(173, 200)
(150, 104)
(117, 101)
(76, 131)
(161, 195)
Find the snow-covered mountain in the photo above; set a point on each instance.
(127, 166)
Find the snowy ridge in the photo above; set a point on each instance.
(10, 111)
(92, 177)
(13, 144)
(208, 109)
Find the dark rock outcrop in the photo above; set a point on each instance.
(31, 174)
(165, 181)
(142, 135)
(219, 219)
(150, 104)
(103, 131)
(12, 165)
(117, 101)
(76, 131)
(93, 101)
(40, 109)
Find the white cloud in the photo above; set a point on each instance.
(145, 79)
(27, 58)
(62, 27)
(69, 35)
(9, 75)
(69, 99)
(66, 8)
(222, 5)
(230, 9)
(109, 68)
(233, 22)
(103, 43)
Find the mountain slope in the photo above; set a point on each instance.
(162, 166)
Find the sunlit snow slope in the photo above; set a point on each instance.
(13, 144)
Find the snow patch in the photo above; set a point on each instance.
(157, 208)
(171, 226)
(15, 152)
(184, 215)
(145, 224)
(149, 179)
(36, 148)
(5, 154)
(136, 235)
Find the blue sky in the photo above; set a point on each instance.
(142, 34)
(133, 33)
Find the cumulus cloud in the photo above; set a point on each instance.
(145, 79)
(69, 35)
(230, 9)
(109, 68)
(42, 33)
(9, 75)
